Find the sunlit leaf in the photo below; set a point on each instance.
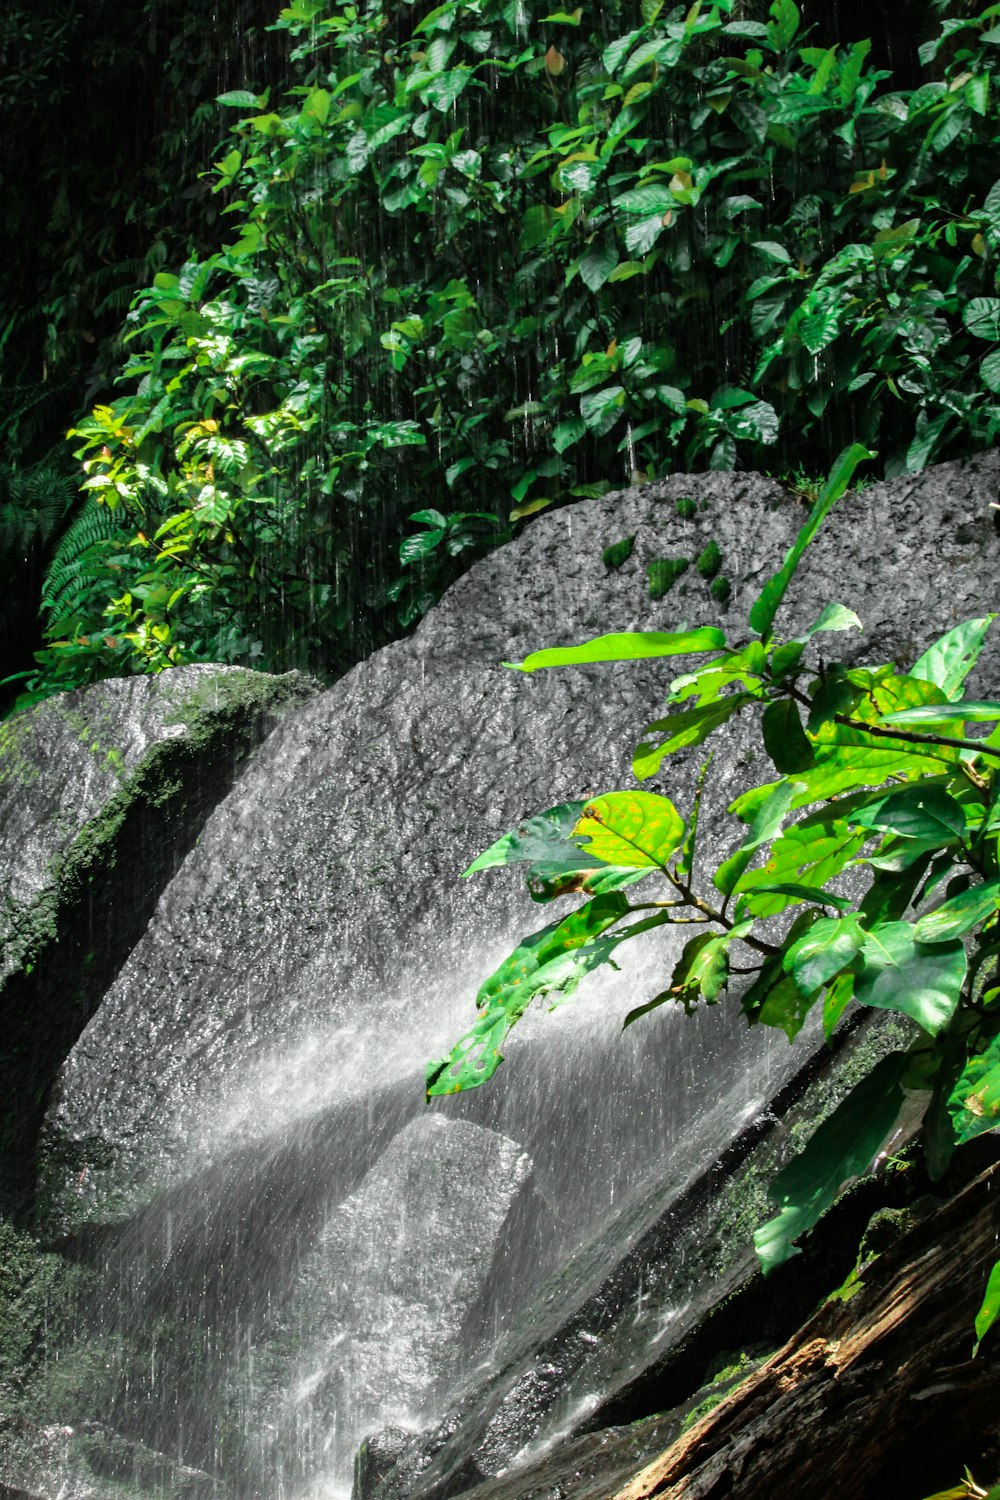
(974, 1102)
(629, 646)
(630, 829)
(948, 662)
(765, 608)
(987, 1315)
(959, 915)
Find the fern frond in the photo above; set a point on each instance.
(34, 502)
(77, 578)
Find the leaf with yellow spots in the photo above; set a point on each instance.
(636, 830)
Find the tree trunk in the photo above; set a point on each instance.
(877, 1395)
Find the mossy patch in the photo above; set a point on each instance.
(710, 560)
(720, 589)
(663, 573)
(618, 553)
(687, 508)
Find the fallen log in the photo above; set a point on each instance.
(876, 1395)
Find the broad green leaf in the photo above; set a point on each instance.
(948, 662)
(989, 371)
(767, 816)
(806, 855)
(554, 959)
(702, 971)
(631, 829)
(630, 646)
(784, 738)
(981, 317)
(240, 99)
(833, 617)
(836, 1000)
(922, 980)
(917, 811)
(677, 731)
(848, 757)
(707, 681)
(987, 1315)
(841, 1147)
(959, 915)
(784, 24)
(974, 1102)
(541, 838)
(804, 893)
(785, 1008)
(600, 410)
(597, 265)
(547, 882)
(766, 606)
(821, 953)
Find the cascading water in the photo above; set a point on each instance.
(289, 1250)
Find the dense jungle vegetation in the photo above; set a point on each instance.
(333, 299)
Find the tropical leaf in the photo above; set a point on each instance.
(840, 1148)
(989, 1308)
(950, 660)
(637, 830)
(918, 811)
(543, 838)
(553, 959)
(960, 914)
(680, 730)
(766, 606)
(805, 855)
(974, 1102)
(630, 646)
(922, 980)
(830, 945)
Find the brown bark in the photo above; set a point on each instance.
(877, 1395)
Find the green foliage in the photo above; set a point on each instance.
(475, 252)
(877, 773)
(990, 1307)
(687, 508)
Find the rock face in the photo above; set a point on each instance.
(102, 792)
(315, 945)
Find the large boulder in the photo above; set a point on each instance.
(316, 945)
(102, 793)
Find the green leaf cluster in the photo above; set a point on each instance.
(481, 260)
(888, 774)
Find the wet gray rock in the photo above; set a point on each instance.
(325, 886)
(317, 943)
(102, 792)
(91, 1462)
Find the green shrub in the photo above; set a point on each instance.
(484, 261)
